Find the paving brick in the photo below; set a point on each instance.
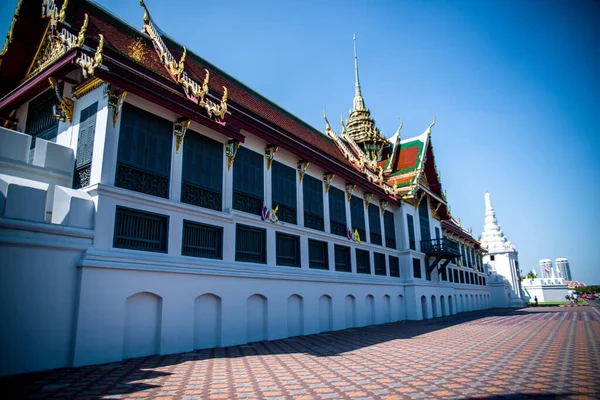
(550, 352)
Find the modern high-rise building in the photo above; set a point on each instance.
(546, 268)
(563, 270)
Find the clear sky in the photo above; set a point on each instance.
(514, 85)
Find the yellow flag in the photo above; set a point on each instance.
(356, 235)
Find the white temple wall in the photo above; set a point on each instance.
(38, 294)
(103, 317)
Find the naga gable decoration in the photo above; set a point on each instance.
(194, 91)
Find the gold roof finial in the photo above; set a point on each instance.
(359, 103)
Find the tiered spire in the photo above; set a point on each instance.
(492, 237)
(361, 127)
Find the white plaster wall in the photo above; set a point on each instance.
(104, 293)
(38, 294)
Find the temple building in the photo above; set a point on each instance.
(563, 270)
(502, 259)
(150, 203)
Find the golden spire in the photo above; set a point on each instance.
(361, 127)
(359, 103)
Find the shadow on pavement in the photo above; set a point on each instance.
(119, 378)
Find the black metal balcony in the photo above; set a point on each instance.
(442, 247)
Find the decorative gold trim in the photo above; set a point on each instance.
(81, 34)
(270, 151)
(89, 64)
(327, 179)
(11, 29)
(383, 206)
(418, 202)
(181, 128)
(367, 197)
(115, 102)
(193, 90)
(302, 166)
(66, 106)
(86, 87)
(350, 190)
(63, 12)
(231, 149)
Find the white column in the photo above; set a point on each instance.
(227, 184)
(176, 169)
(106, 145)
(299, 200)
(367, 224)
(326, 210)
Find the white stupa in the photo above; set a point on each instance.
(502, 257)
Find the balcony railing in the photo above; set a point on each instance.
(440, 246)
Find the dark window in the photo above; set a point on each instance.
(411, 232)
(456, 276)
(394, 266)
(313, 203)
(284, 192)
(288, 250)
(85, 146)
(416, 268)
(144, 157)
(467, 280)
(202, 178)
(462, 276)
(374, 224)
(491, 258)
(472, 278)
(424, 220)
(337, 212)
(437, 232)
(200, 240)
(390, 229)
(317, 254)
(444, 275)
(379, 263)
(139, 230)
(250, 244)
(342, 259)
(357, 213)
(363, 263)
(248, 181)
(469, 258)
(40, 118)
(450, 276)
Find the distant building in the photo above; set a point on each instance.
(563, 270)
(546, 268)
(502, 260)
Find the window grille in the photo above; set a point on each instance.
(337, 211)
(202, 178)
(40, 118)
(283, 180)
(379, 263)
(85, 146)
(200, 240)
(342, 258)
(363, 263)
(390, 229)
(248, 181)
(317, 254)
(144, 157)
(411, 232)
(288, 250)
(313, 203)
(416, 268)
(394, 266)
(357, 213)
(250, 244)
(140, 230)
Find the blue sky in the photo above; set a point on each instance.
(514, 86)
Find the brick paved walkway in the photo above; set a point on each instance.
(533, 353)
